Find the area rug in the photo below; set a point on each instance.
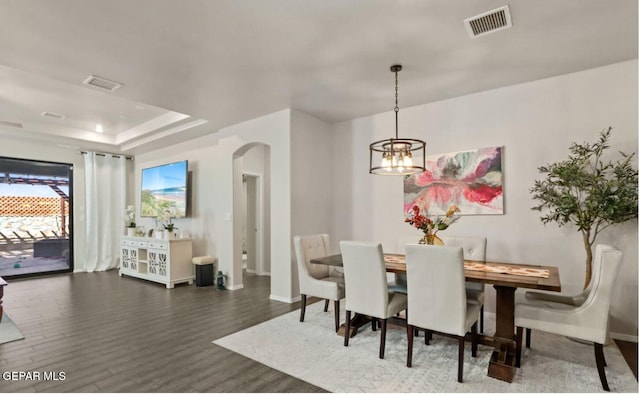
(8, 330)
(311, 351)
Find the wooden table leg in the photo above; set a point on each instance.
(502, 363)
(356, 322)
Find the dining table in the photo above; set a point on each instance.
(505, 277)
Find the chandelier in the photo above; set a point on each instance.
(397, 156)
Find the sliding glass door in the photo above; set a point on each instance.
(36, 216)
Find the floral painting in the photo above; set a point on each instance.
(470, 180)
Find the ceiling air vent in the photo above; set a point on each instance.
(488, 22)
(53, 115)
(102, 83)
(10, 124)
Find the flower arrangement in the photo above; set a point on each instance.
(130, 216)
(166, 216)
(431, 225)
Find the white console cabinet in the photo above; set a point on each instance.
(166, 261)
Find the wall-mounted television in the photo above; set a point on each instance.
(164, 186)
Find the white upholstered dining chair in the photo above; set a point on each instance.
(366, 286)
(587, 321)
(556, 301)
(399, 284)
(437, 298)
(473, 248)
(317, 280)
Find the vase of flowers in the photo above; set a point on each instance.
(430, 225)
(165, 218)
(130, 220)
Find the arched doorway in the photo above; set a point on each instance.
(251, 210)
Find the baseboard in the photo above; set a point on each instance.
(236, 287)
(283, 299)
(256, 272)
(624, 337)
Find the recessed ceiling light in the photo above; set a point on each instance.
(99, 128)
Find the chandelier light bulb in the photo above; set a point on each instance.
(408, 160)
(385, 162)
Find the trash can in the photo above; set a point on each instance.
(204, 270)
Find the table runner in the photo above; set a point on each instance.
(494, 268)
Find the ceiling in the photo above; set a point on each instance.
(191, 67)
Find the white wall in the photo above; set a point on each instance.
(535, 123)
(297, 174)
(253, 160)
(213, 218)
(272, 130)
(311, 180)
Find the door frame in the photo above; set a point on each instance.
(259, 210)
(70, 217)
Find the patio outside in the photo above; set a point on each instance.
(34, 225)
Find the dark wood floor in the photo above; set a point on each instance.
(630, 352)
(112, 334)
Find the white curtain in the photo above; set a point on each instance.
(105, 199)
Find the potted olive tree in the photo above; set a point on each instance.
(588, 192)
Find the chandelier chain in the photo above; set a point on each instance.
(396, 109)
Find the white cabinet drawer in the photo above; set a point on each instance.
(159, 245)
(138, 243)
